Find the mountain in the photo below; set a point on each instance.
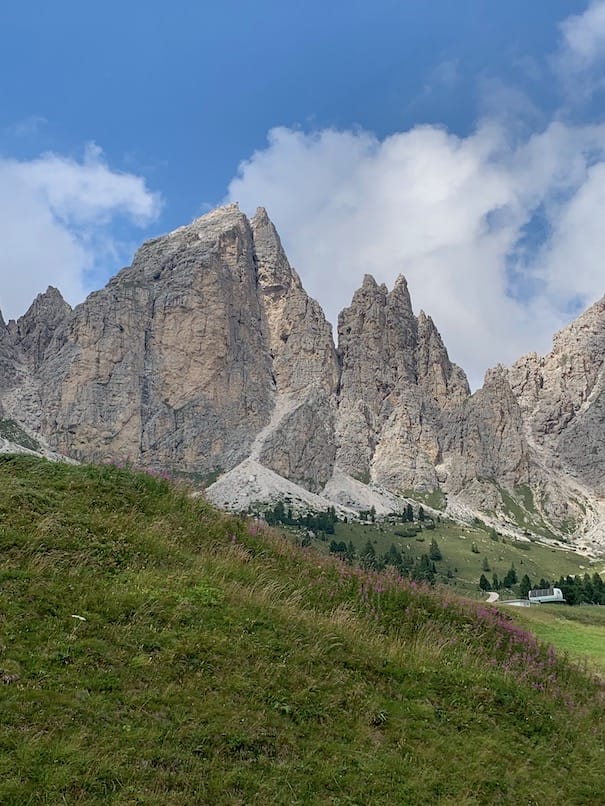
(207, 357)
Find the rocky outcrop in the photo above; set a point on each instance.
(562, 397)
(300, 339)
(301, 443)
(168, 365)
(34, 331)
(485, 437)
(397, 382)
(7, 360)
(180, 361)
(442, 381)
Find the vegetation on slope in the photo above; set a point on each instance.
(466, 552)
(13, 432)
(155, 650)
(579, 631)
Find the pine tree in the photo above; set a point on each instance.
(511, 577)
(484, 583)
(525, 586)
(435, 551)
(367, 558)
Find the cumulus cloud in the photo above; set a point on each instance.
(584, 37)
(579, 61)
(56, 216)
(495, 234)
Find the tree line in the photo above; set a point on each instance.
(420, 569)
(577, 589)
(320, 522)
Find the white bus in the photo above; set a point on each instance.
(546, 595)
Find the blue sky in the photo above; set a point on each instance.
(459, 143)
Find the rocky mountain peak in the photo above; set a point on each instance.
(400, 294)
(443, 381)
(34, 330)
(299, 443)
(396, 380)
(562, 396)
(274, 272)
(206, 354)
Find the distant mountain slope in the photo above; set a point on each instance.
(207, 352)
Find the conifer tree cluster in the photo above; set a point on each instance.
(321, 522)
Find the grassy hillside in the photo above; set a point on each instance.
(456, 543)
(579, 631)
(155, 651)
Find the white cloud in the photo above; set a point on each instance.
(443, 77)
(26, 127)
(459, 217)
(55, 223)
(580, 59)
(584, 37)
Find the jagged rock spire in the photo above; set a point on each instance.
(36, 328)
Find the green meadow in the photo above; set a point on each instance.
(578, 631)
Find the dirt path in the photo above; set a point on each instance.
(493, 596)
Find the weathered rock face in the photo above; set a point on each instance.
(397, 381)
(442, 381)
(179, 361)
(168, 365)
(34, 331)
(300, 338)
(300, 445)
(485, 438)
(7, 368)
(12, 372)
(207, 354)
(562, 396)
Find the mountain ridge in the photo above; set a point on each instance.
(207, 352)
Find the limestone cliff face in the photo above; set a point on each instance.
(300, 445)
(440, 379)
(207, 354)
(300, 338)
(168, 365)
(8, 368)
(180, 360)
(396, 383)
(485, 438)
(34, 331)
(562, 397)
